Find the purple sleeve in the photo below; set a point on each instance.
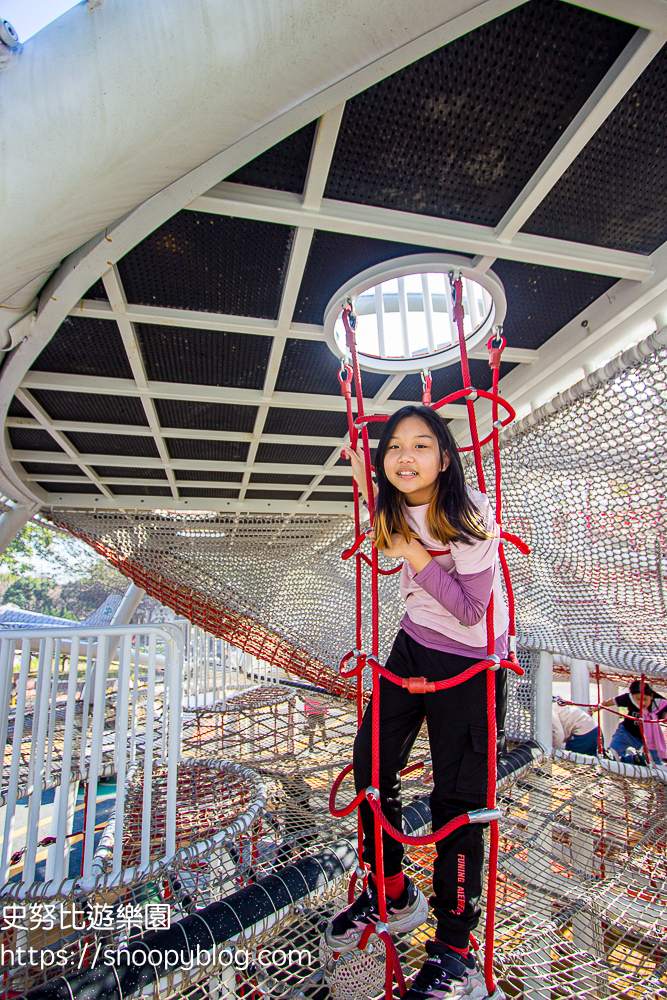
(466, 597)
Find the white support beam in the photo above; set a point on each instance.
(321, 156)
(114, 289)
(650, 14)
(200, 484)
(385, 390)
(206, 393)
(88, 502)
(217, 322)
(12, 521)
(284, 208)
(318, 169)
(73, 454)
(633, 60)
(138, 462)
(191, 319)
(626, 313)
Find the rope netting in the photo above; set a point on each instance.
(584, 484)
(581, 907)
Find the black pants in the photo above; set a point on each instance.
(458, 736)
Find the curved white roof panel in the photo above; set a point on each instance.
(108, 105)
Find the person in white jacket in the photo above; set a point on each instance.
(573, 729)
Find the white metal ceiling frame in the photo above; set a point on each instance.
(312, 212)
(89, 262)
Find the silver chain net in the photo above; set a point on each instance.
(584, 483)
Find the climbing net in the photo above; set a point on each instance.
(584, 484)
(581, 908)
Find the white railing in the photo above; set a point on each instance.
(73, 743)
(212, 668)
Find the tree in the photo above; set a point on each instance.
(31, 594)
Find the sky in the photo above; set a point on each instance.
(29, 16)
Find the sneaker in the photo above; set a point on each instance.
(445, 975)
(410, 910)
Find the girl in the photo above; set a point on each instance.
(628, 736)
(424, 503)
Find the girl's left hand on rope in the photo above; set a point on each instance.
(413, 550)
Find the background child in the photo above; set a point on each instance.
(628, 735)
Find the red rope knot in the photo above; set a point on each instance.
(495, 346)
(426, 388)
(347, 553)
(345, 380)
(357, 668)
(418, 685)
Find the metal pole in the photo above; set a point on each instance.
(543, 696)
(132, 598)
(580, 682)
(11, 522)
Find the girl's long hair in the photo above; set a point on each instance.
(451, 515)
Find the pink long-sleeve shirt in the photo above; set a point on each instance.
(446, 602)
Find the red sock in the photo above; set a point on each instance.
(394, 885)
(463, 952)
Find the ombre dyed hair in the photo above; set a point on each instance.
(451, 515)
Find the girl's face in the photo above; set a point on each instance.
(412, 461)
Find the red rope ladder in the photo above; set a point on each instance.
(358, 427)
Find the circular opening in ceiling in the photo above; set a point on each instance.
(404, 312)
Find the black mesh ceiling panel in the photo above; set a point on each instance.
(204, 492)
(97, 292)
(121, 490)
(331, 497)
(615, 193)
(113, 444)
(541, 300)
(84, 487)
(92, 408)
(17, 409)
(51, 469)
(189, 475)
(205, 416)
(24, 438)
(297, 454)
(318, 423)
(284, 166)
(309, 366)
(460, 132)
(273, 494)
(338, 481)
(204, 357)
(333, 259)
(208, 451)
(345, 462)
(212, 263)
(276, 477)
(123, 472)
(446, 380)
(83, 346)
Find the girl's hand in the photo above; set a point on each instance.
(356, 458)
(398, 548)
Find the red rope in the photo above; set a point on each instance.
(358, 426)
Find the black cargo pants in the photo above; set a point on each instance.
(458, 731)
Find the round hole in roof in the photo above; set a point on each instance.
(404, 312)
